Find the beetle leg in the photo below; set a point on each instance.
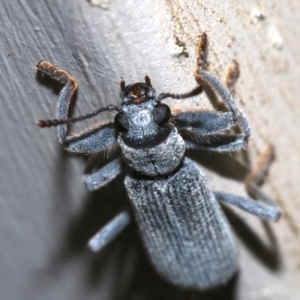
(216, 142)
(210, 122)
(232, 75)
(106, 234)
(213, 82)
(103, 176)
(207, 122)
(203, 122)
(258, 175)
(95, 138)
(263, 211)
(267, 210)
(70, 87)
(220, 89)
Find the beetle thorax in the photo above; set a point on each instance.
(159, 160)
(150, 144)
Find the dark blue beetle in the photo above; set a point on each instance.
(184, 230)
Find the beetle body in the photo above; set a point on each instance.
(184, 230)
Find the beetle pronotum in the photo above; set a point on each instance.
(184, 230)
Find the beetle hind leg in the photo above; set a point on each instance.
(258, 174)
(268, 209)
(106, 234)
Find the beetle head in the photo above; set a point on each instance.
(137, 93)
(142, 120)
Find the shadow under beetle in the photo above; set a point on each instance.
(184, 230)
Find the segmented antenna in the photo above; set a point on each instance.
(122, 84)
(147, 80)
(56, 122)
(196, 91)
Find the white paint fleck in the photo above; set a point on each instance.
(259, 18)
(257, 15)
(275, 37)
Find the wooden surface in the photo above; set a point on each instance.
(46, 215)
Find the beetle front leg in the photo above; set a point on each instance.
(70, 87)
(213, 82)
(232, 75)
(95, 138)
(199, 127)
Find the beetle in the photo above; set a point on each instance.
(183, 228)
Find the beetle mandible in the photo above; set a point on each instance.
(184, 230)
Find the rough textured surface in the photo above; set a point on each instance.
(47, 216)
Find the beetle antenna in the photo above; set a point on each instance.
(122, 84)
(147, 80)
(56, 122)
(196, 91)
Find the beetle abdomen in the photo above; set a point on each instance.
(183, 228)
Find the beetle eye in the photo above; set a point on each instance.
(161, 114)
(121, 122)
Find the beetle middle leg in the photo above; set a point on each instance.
(103, 176)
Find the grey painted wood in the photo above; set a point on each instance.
(46, 216)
